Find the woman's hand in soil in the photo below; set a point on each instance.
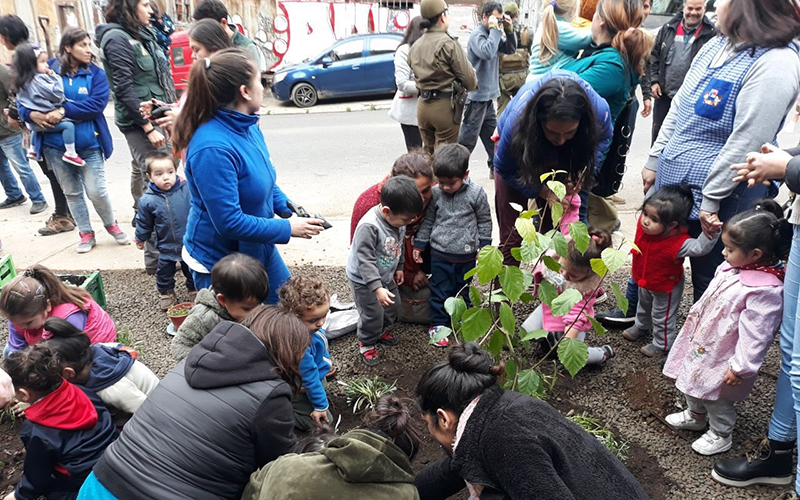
(384, 297)
(419, 282)
(731, 378)
(417, 254)
(305, 228)
(769, 164)
(319, 416)
(6, 389)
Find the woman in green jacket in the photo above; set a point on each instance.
(372, 462)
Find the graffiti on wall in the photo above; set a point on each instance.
(303, 29)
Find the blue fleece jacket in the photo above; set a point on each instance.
(505, 160)
(165, 213)
(483, 53)
(109, 366)
(234, 194)
(87, 94)
(316, 363)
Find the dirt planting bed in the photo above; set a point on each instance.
(629, 394)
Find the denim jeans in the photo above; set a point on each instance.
(12, 152)
(784, 422)
(75, 180)
(479, 123)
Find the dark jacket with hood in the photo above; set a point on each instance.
(109, 366)
(520, 448)
(64, 433)
(663, 43)
(360, 464)
(166, 213)
(213, 420)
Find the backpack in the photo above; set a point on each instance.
(519, 60)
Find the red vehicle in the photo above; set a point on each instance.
(180, 59)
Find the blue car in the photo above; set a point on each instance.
(358, 65)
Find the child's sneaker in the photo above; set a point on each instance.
(634, 333)
(168, 300)
(369, 355)
(118, 235)
(652, 351)
(685, 420)
(388, 339)
(331, 373)
(432, 331)
(73, 160)
(602, 296)
(610, 352)
(87, 242)
(712, 443)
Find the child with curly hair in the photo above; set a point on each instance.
(309, 299)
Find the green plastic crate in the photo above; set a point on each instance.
(7, 270)
(92, 283)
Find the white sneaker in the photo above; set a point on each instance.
(712, 443)
(685, 420)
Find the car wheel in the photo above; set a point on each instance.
(304, 95)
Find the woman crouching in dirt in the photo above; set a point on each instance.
(214, 419)
(501, 444)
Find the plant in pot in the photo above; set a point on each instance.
(177, 313)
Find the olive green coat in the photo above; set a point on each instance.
(436, 59)
(360, 464)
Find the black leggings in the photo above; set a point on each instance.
(412, 136)
(58, 195)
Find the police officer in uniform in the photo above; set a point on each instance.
(438, 61)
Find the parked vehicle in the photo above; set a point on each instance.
(180, 59)
(358, 65)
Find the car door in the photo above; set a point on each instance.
(342, 71)
(380, 64)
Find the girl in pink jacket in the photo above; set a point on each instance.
(575, 273)
(723, 342)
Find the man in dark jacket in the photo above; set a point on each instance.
(675, 46)
(213, 420)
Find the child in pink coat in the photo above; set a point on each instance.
(723, 342)
(575, 273)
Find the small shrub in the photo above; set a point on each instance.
(125, 337)
(364, 393)
(348, 109)
(372, 107)
(605, 436)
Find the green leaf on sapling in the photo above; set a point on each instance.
(622, 300)
(475, 323)
(573, 354)
(490, 262)
(580, 235)
(563, 304)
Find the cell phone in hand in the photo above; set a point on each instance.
(159, 112)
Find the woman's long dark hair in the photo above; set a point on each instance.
(213, 83)
(70, 37)
(763, 23)
(23, 65)
(123, 12)
(413, 32)
(210, 34)
(558, 99)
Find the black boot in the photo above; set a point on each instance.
(769, 463)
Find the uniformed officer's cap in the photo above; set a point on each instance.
(432, 8)
(511, 9)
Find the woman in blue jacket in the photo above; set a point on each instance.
(554, 123)
(86, 90)
(234, 194)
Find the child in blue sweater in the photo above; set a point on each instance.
(309, 299)
(164, 210)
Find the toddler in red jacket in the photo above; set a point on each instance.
(662, 236)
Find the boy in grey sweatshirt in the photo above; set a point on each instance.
(457, 224)
(375, 264)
